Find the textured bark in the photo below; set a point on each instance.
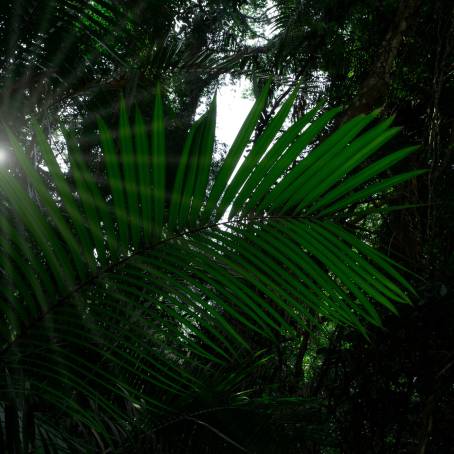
(374, 88)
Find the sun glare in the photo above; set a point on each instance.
(3, 156)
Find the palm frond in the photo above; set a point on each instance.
(118, 302)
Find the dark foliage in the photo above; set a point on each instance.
(325, 389)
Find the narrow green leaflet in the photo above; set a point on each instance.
(234, 155)
(257, 152)
(115, 179)
(158, 165)
(130, 178)
(143, 170)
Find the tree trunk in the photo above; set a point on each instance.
(374, 88)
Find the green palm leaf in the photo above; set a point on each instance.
(123, 300)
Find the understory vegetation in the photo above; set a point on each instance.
(165, 292)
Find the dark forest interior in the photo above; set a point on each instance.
(165, 292)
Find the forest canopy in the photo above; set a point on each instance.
(166, 292)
